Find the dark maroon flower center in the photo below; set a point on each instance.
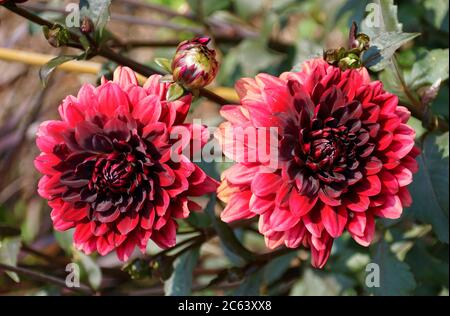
(326, 146)
(111, 168)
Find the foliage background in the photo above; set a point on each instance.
(251, 37)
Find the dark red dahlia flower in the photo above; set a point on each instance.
(345, 157)
(108, 170)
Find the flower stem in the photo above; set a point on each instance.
(108, 52)
(83, 289)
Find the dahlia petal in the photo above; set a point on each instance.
(403, 175)
(334, 219)
(166, 236)
(369, 232)
(99, 229)
(389, 182)
(313, 222)
(260, 205)
(237, 208)
(356, 202)
(155, 87)
(264, 184)
(327, 199)
(148, 218)
(282, 220)
(82, 233)
(124, 77)
(405, 197)
(70, 112)
(301, 204)
(392, 208)
(369, 186)
(274, 240)
(74, 214)
(103, 246)
(147, 110)
(112, 99)
(234, 114)
(320, 257)
(294, 236)
(127, 223)
(240, 174)
(373, 166)
(162, 203)
(126, 248)
(357, 224)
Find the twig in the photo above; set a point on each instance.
(109, 53)
(83, 289)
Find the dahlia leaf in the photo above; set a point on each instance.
(92, 269)
(174, 92)
(395, 277)
(228, 239)
(430, 186)
(48, 68)
(319, 283)
(383, 47)
(251, 286)
(432, 67)
(436, 273)
(276, 267)
(180, 282)
(9, 250)
(383, 19)
(164, 63)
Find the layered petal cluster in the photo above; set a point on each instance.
(108, 167)
(345, 156)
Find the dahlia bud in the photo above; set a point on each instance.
(194, 65)
(56, 36)
(87, 26)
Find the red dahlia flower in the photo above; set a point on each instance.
(345, 157)
(108, 170)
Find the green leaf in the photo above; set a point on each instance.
(437, 13)
(318, 283)
(233, 247)
(383, 47)
(429, 69)
(180, 282)
(65, 240)
(48, 68)
(276, 267)
(97, 11)
(93, 271)
(430, 186)
(164, 63)
(251, 285)
(9, 250)
(435, 274)
(395, 276)
(174, 92)
(388, 20)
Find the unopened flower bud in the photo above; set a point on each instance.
(56, 36)
(194, 64)
(87, 26)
